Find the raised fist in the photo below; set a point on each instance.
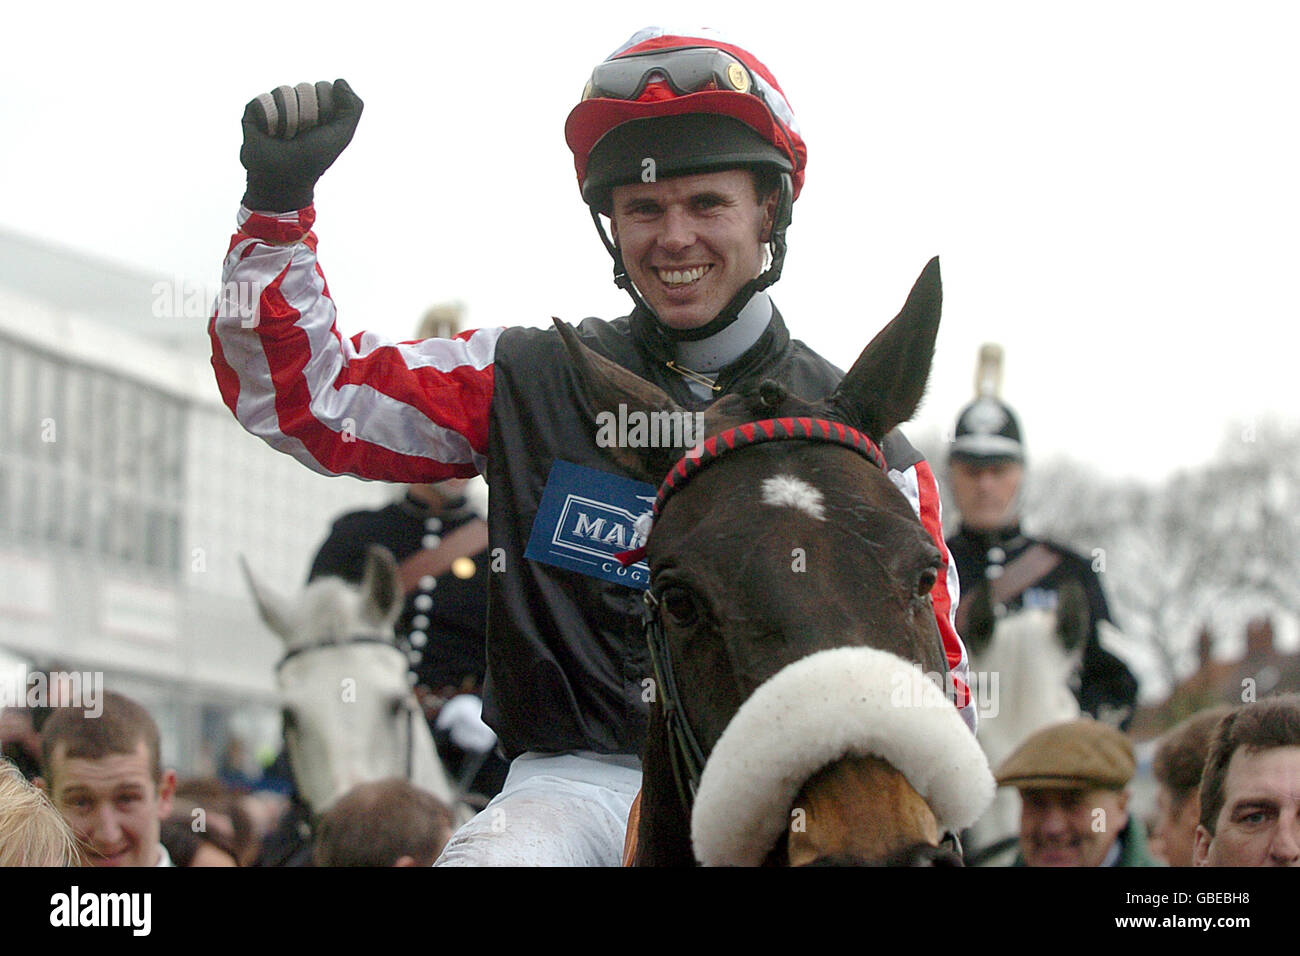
(291, 136)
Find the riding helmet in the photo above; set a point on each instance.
(673, 103)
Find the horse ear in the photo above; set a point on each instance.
(603, 386)
(886, 383)
(273, 609)
(381, 589)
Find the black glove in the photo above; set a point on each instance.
(291, 136)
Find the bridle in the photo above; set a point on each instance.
(686, 755)
(413, 713)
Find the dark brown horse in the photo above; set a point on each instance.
(791, 623)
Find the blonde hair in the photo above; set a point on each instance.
(32, 832)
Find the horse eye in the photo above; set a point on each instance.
(288, 720)
(926, 581)
(398, 706)
(680, 605)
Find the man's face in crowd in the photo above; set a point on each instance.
(690, 242)
(986, 492)
(114, 804)
(1259, 822)
(1175, 828)
(1070, 827)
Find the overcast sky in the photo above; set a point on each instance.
(1112, 187)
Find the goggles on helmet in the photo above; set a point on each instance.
(685, 70)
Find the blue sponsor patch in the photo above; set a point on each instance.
(586, 517)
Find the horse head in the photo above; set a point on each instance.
(790, 589)
(349, 713)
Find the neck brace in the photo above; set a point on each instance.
(708, 355)
(723, 347)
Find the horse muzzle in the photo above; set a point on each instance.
(853, 756)
(860, 811)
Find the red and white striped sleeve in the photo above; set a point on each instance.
(919, 486)
(410, 412)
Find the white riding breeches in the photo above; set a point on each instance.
(555, 810)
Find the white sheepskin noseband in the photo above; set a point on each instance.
(849, 700)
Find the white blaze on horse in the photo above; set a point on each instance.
(791, 625)
(350, 715)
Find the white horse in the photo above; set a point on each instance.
(350, 715)
(1023, 677)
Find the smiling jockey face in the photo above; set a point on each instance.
(690, 243)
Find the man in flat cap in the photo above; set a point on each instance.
(1072, 779)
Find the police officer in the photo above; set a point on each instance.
(1002, 570)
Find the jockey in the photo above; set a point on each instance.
(687, 145)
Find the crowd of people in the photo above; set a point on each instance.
(1226, 796)
(685, 144)
(104, 798)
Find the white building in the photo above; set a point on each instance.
(127, 491)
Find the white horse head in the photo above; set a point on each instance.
(1022, 683)
(350, 715)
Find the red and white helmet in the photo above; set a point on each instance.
(690, 101)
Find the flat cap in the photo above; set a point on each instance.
(1081, 754)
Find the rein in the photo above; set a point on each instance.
(686, 755)
(364, 639)
(333, 642)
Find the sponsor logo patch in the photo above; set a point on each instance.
(587, 516)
